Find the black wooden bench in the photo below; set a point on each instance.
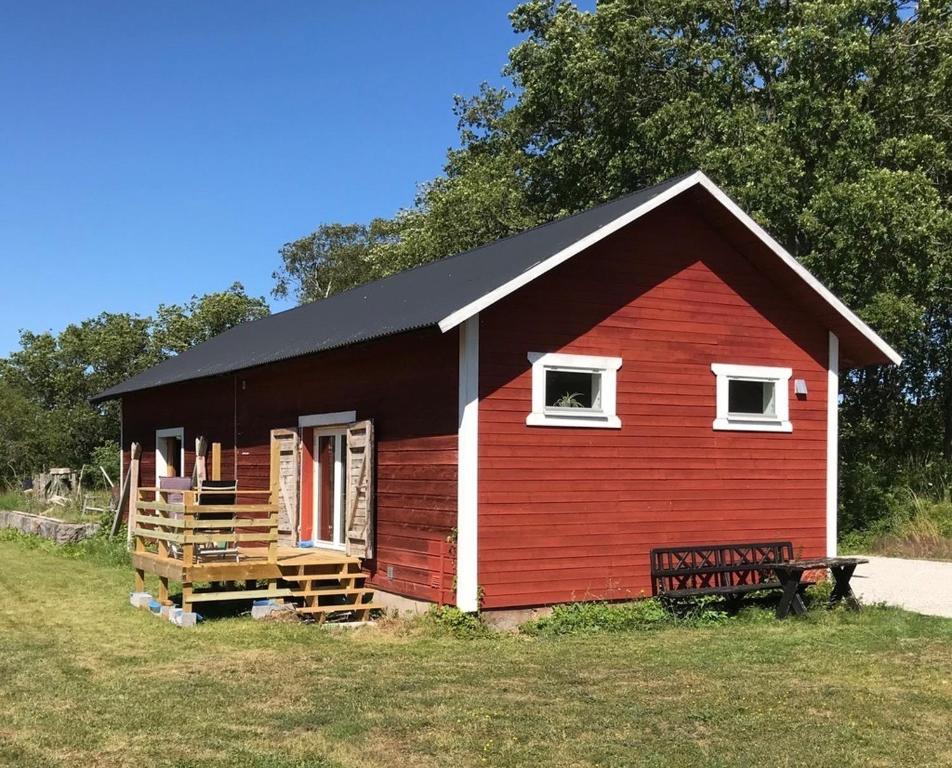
(730, 570)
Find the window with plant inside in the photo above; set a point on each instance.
(573, 390)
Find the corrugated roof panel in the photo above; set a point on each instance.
(405, 301)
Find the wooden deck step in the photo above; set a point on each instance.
(340, 608)
(238, 594)
(323, 576)
(360, 591)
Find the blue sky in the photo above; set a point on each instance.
(154, 150)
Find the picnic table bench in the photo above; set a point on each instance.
(791, 573)
(730, 570)
(734, 570)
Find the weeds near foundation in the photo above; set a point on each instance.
(452, 622)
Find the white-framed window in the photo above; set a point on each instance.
(573, 390)
(752, 398)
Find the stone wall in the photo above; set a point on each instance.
(47, 527)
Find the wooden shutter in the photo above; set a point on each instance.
(359, 520)
(287, 477)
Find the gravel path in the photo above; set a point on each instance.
(923, 586)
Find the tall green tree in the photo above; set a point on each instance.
(331, 259)
(45, 385)
(828, 120)
(177, 327)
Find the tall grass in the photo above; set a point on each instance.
(918, 520)
(71, 511)
(99, 549)
(16, 500)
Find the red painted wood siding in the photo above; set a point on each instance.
(407, 384)
(571, 514)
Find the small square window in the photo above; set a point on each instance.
(746, 398)
(573, 390)
(752, 398)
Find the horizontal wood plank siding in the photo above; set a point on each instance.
(406, 384)
(570, 513)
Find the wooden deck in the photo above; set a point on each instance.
(222, 552)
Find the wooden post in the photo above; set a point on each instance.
(135, 451)
(199, 474)
(274, 499)
(216, 461)
(138, 544)
(188, 549)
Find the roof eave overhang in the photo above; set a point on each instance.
(880, 351)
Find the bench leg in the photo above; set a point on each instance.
(734, 603)
(842, 591)
(791, 599)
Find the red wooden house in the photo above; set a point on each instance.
(544, 409)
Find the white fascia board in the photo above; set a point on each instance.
(455, 318)
(801, 271)
(452, 320)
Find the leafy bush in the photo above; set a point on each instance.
(107, 457)
(624, 617)
(449, 620)
(599, 617)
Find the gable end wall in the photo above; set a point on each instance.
(570, 514)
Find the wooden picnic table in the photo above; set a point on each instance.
(791, 572)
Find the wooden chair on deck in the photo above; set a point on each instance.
(224, 492)
(174, 484)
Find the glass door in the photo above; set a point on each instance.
(330, 486)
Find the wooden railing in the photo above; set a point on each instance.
(174, 525)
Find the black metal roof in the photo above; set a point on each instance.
(416, 298)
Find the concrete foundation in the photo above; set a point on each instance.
(400, 605)
(506, 620)
(509, 619)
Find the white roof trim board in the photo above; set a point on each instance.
(697, 178)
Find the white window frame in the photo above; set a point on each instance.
(327, 419)
(161, 464)
(779, 377)
(606, 367)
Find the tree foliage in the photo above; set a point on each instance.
(45, 385)
(828, 120)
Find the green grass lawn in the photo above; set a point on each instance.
(87, 680)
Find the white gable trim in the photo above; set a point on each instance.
(845, 312)
(474, 307)
(457, 317)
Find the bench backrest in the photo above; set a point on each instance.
(716, 565)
